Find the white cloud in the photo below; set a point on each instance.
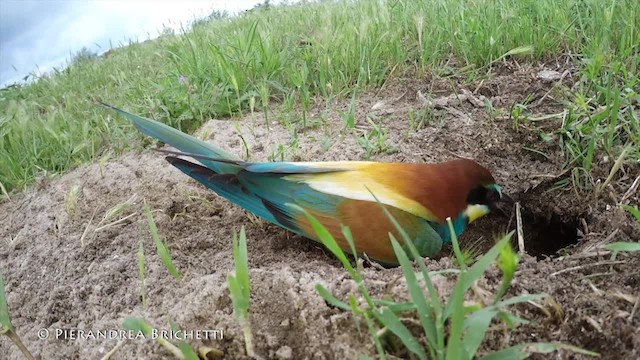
(48, 35)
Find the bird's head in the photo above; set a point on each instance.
(482, 200)
(485, 194)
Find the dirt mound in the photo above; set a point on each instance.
(61, 273)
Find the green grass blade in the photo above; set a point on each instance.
(515, 300)
(475, 328)
(240, 303)
(396, 307)
(346, 232)
(455, 347)
(393, 323)
(511, 320)
(137, 325)
(523, 351)
(165, 256)
(622, 246)
(477, 323)
(432, 312)
(480, 267)
(423, 308)
(633, 211)
(507, 263)
(241, 261)
(239, 288)
(239, 282)
(511, 353)
(462, 263)
(187, 352)
(140, 326)
(476, 271)
(528, 49)
(328, 297)
(5, 319)
(374, 336)
(327, 239)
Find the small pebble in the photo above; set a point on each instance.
(549, 75)
(284, 353)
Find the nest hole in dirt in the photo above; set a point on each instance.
(547, 229)
(545, 235)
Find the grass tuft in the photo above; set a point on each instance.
(71, 200)
(239, 288)
(451, 330)
(288, 55)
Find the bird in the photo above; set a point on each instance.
(420, 196)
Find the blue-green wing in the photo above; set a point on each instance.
(180, 140)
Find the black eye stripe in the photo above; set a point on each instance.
(477, 196)
(482, 195)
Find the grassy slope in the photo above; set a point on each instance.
(284, 56)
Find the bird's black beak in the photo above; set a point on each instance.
(504, 206)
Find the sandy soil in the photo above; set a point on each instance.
(56, 281)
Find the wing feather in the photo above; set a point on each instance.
(359, 184)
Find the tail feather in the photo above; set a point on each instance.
(180, 140)
(227, 186)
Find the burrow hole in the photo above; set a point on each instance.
(546, 235)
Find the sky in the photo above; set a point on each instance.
(38, 35)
